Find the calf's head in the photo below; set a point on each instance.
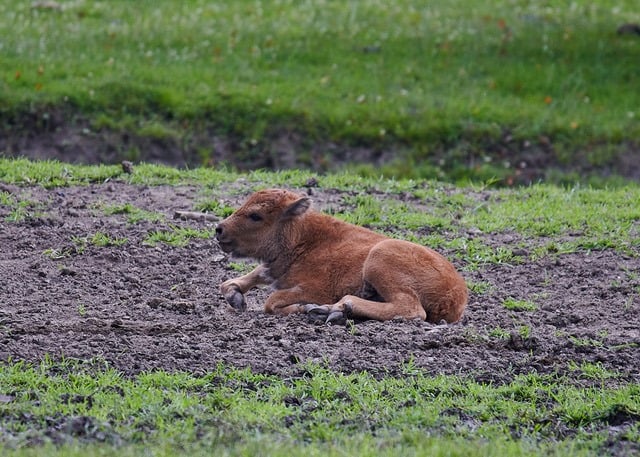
(258, 229)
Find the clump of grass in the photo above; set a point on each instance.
(18, 214)
(513, 304)
(480, 288)
(57, 254)
(133, 213)
(361, 209)
(6, 199)
(586, 341)
(554, 211)
(77, 247)
(524, 331)
(177, 236)
(500, 333)
(103, 240)
(242, 267)
(594, 371)
(216, 207)
(79, 244)
(51, 173)
(17, 210)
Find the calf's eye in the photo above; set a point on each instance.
(255, 217)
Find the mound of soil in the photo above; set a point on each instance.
(144, 307)
(54, 133)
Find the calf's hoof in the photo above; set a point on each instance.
(335, 317)
(327, 313)
(316, 310)
(316, 314)
(341, 316)
(236, 300)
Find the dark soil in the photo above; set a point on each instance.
(144, 307)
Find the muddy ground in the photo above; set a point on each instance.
(143, 307)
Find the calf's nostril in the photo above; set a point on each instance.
(219, 230)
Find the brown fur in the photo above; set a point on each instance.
(311, 258)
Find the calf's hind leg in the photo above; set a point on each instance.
(403, 305)
(412, 282)
(393, 278)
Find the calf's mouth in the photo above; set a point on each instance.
(225, 245)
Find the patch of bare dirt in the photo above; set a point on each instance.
(143, 307)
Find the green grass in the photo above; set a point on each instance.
(554, 210)
(216, 207)
(17, 208)
(133, 213)
(500, 333)
(403, 75)
(101, 239)
(237, 412)
(79, 245)
(177, 236)
(242, 267)
(513, 304)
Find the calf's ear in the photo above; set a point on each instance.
(297, 208)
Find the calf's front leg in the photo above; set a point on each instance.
(234, 289)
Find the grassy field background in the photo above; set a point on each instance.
(438, 86)
(443, 89)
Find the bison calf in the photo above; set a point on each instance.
(318, 264)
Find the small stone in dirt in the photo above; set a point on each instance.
(182, 306)
(311, 182)
(285, 343)
(6, 398)
(95, 322)
(294, 359)
(155, 302)
(78, 426)
(629, 29)
(9, 189)
(218, 258)
(127, 166)
(66, 271)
